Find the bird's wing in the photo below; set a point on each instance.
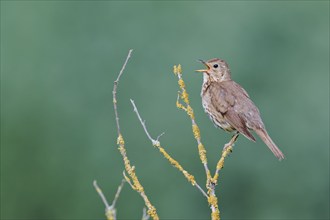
(238, 87)
(224, 102)
(236, 120)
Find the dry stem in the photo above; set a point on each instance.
(136, 185)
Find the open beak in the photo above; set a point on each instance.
(205, 70)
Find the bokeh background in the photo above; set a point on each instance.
(58, 63)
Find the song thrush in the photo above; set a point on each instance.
(229, 106)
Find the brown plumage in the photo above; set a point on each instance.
(229, 106)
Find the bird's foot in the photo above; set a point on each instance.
(229, 146)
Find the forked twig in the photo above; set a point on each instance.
(156, 143)
(110, 210)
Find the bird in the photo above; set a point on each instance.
(229, 106)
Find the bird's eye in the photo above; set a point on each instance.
(215, 65)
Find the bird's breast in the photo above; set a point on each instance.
(215, 116)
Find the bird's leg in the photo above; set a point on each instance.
(227, 149)
(231, 142)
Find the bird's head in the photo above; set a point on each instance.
(216, 70)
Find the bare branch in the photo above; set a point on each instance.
(99, 191)
(114, 91)
(120, 187)
(143, 123)
(159, 136)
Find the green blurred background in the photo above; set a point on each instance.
(58, 63)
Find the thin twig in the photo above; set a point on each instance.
(136, 185)
(99, 191)
(156, 143)
(120, 187)
(202, 190)
(143, 123)
(114, 91)
(145, 216)
(128, 180)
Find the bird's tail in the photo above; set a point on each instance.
(269, 142)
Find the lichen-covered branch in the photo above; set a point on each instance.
(175, 163)
(183, 95)
(136, 185)
(227, 149)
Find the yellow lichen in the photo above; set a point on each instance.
(181, 83)
(179, 70)
(175, 70)
(176, 164)
(221, 162)
(208, 177)
(215, 215)
(110, 214)
(190, 112)
(180, 106)
(120, 140)
(129, 169)
(189, 177)
(213, 201)
(185, 96)
(152, 212)
(202, 153)
(196, 132)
